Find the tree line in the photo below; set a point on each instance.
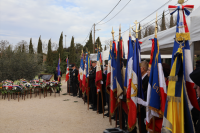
(23, 61)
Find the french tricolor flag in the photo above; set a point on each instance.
(108, 79)
(98, 77)
(67, 71)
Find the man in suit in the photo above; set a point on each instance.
(92, 86)
(74, 80)
(195, 76)
(145, 79)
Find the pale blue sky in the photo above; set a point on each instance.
(25, 19)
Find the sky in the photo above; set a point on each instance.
(25, 19)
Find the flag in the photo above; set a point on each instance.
(152, 52)
(85, 74)
(81, 72)
(177, 115)
(100, 58)
(58, 74)
(120, 88)
(98, 77)
(156, 93)
(182, 33)
(134, 90)
(113, 88)
(108, 79)
(67, 71)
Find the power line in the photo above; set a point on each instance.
(147, 16)
(109, 12)
(88, 34)
(117, 13)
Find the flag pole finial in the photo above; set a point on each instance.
(156, 27)
(110, 44)
(113, 34)
(180, 2)
(136, 28)
(119, 31)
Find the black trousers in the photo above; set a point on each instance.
(94, 96)
(74, 88)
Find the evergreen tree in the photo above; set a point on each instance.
(171, 21)
(60, 48)
(23, 48)
(31, 47)
(139, 33)
(89, 44)
(149, 33)
(163, 26)
(105, 48)
(146, 33)
(98, 42)
(39, 48)
(49, 54)
(72, 51)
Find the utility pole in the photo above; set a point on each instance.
(94, 40)
(65, 41)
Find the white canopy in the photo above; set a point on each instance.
(166, 38)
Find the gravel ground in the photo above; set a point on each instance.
(50, 115)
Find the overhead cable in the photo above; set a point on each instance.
(109, 13)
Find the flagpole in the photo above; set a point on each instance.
(136, 32)
(110, 120)
(120, 102)
(88, 85)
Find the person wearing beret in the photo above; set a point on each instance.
(74, 80)
(195, 76)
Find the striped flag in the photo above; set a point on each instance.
(113, 89)
(98, 77)
(108, 79)
(177, 116)
(67, 71)
(156, 93)
(134, 90)
(183, 32)
(85, 74)
(81, 69)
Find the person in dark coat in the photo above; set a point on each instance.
(74, 80)
(92, 85)
(195, 76)
(145, 80)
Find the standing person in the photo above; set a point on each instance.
(195, 76)
(74, 80)
(145, 80)
(93, 86)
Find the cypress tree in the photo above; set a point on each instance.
(171, 21)
(89, 44)
(72, 51)
(139, 33)
(39, 48)
(150, 31)
(49, 54)
(60, 48)
(23, 48)
(105, 48)
(163, 26)
(31, 47)
(98, 42)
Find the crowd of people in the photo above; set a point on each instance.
(145, 73)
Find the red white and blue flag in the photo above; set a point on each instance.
(156, 93)
(108, 79)
(67, 71)
(113, 88)
(81, 69)
(98, 77)
(182, 28)
(85, 74)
